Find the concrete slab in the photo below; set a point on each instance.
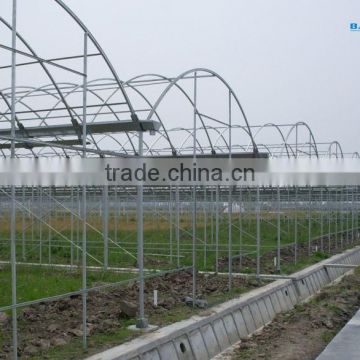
(287, 298)
(197, 345)
(275, 302)
(263, 311)
(183, 348)
(292, 293)
(269, 307)
(322, 277)
(221, 334)
(315, 281)
(310, 284)
(332, 273)
(210, 340)
(168, 351)
(280, 296)
(345, 344)
(256, 314)
(151, 355)
(249, 320)
(303, 288)
(231, 329)
(240, 324)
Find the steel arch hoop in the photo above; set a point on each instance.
(154, 107)
(101, 51)
(314, 145)
(272, 125)
(267, 148)
(337, 146)
(220, 136)
(191, 133)
(181, 76)
(137, 136)
(46, 70)
(226, 129)
(157, 115)
(44, 90)
(160, 136)
(77, 86)
(20, 101)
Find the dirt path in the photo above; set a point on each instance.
(303, 333)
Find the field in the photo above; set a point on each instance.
(49, 276)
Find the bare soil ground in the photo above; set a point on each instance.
(287, 254)
(304, 332)
(59, 322)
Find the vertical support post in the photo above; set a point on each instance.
(336, 219)
(278, 245)
(72, 227)
(116, 214)
(309, 224)
(13, 204)
(83, 201)
(296, 226)
(24, 225)
(78, 222)
(352, 217)
(212, 218)
(329, 220)
(142, 322)
(230, 211)
(49, 230)
(230, 205)
(40, 223)
(341, 218)
(177, 233)
(346, 213)
(194, 198)
(257, 233)
(32, 215)
(205, 229)
(321, 221)
(240, 228)
(296, 140)
(105, 218)
(217, 229)
(170, 224)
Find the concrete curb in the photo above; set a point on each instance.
(346, 343)
(202, 338)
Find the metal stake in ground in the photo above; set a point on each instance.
(278, 231)
(142, 322)
(13, 205)
(257, 232)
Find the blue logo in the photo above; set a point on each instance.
(354, 27)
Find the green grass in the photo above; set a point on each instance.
(288, 268)
(40, 282)
(157, 238)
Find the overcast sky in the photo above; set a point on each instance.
(287, 60)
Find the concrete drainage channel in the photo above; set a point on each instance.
(202, 338)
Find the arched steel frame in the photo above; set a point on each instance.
(337, 147)
(311, 143)
(123, 87)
